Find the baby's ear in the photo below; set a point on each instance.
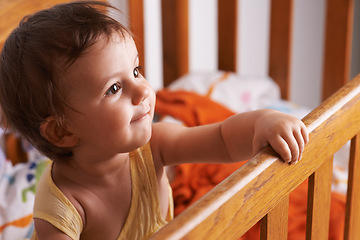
(56, 134)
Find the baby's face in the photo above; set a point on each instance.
(113, 103)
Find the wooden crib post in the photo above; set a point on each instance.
(136, 16)
(274, 226)
(280, 44)
(175, 39)
(227, 27)
(319, 199)
(352, 215)
(338, 38)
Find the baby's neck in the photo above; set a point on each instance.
(92, 169)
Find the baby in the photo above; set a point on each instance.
(70, 83)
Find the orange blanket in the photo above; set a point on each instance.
(193, 180)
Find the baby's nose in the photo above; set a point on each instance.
(140, 93)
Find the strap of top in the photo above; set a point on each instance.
(145, 207)
(54, 207)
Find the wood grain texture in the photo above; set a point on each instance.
(319, 199)
(175, 39)
(227, 35)
(11, 12)
(338, 39)
(352, 217)
(274, 226)
(245, 197)
(136, 20)
(280, 44)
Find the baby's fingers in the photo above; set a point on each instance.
(287, 149)
(304, 133)
(302, 138)
(295, 145)
(299, 148)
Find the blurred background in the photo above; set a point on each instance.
(253, 35)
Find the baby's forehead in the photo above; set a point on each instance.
(102, 49)
(99, 44)
(127, 40)
(115, 38)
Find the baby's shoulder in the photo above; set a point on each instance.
(55, 207)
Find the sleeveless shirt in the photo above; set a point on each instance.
(144, 217)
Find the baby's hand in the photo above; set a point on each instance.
(287, 135)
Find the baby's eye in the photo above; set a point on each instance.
(113, 89)
(136, 71)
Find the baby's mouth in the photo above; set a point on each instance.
(140, 116)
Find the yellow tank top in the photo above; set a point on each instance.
(144, 217)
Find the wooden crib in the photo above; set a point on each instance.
(259, 191)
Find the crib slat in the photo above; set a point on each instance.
(280, 44)
(352, 217)
(136, 17)
(175, 39)
(274, 225)
(319, 199)
(338, 38)
(227, 27)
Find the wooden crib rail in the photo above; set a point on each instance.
(260, 189)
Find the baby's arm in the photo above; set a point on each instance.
(237, 138)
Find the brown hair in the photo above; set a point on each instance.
(36, 52)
